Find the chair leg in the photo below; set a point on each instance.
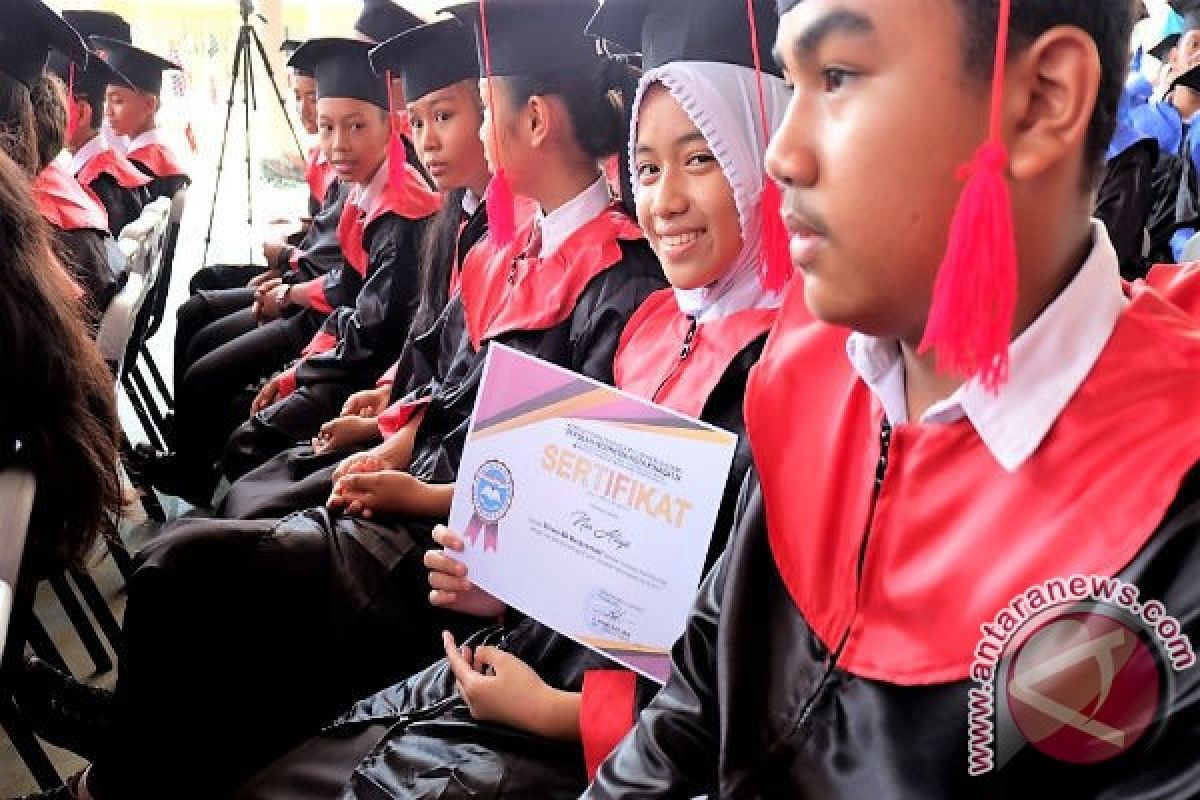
(150, 503)
(156, 413)
(143, 415)
(27, 745)
(156, 374)
(83, 625)
(121, 557)
(43, 646)
(99, 607)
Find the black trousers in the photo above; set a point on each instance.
(211, 400)
(229, 307)
(224, 276)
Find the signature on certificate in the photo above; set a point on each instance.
(582, 521)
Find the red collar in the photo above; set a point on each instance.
(1179, 283)
(156, 158)
(64, 203)
(319, 174)
(954, 537)
(413, 199)
(651, 360)
(502, 291)
(110, 162)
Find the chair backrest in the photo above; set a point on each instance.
(17, 487)
(1191, 250)
(158, 303)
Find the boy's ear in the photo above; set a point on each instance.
(538, 119)
(1052, 93)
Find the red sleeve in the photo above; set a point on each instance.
(606, 713)
(287, 384)
(389, 377)
(322, 342)
(314, 292)
(397, 415)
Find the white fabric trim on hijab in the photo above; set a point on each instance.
(722, 102)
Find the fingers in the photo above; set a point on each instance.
(446, 573)
(449, 540)
(492, 657)
(459, 665)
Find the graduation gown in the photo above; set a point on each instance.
(364, 332)
(298, 477)
(830, 653)
(79, 226)
(117, 185)
(399, 742)
(152, 157)
(294, 619)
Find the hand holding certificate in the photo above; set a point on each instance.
(586, 508)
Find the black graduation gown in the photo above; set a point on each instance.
(292, 620)
(405, 741)
(165, 186)
(88, 255)
(298, 477)
(123, 205)
(1124, 203)
(370, 333)
(759, 704)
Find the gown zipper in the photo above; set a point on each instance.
(684, 352)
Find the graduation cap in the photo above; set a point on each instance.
(531, 36)
(289, 47)
(380, 20)
(689, 30)
(1183, 16)
(142, 69)
(87, 80)
(1189, 79)
(428, 58)
(100, 23)
(29, 29)
(341, 68)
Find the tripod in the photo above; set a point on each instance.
(243, 66)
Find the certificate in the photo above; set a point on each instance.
(588, 509)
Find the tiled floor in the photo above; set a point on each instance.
(231, 243)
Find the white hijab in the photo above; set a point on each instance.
(722, 102)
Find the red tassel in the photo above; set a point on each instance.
(72, 106)
(776, 268)
(501, 210)
(975, 296)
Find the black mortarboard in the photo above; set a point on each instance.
(532, 36)
(141, 69)
(342, 68)
(380, 20)
(428, 58)
(100, 23)
(29, 29)
(87, 80)
(289, 47)
(688, 30)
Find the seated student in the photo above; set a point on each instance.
(392, 203)
(131, 112)
(905, 520)
(439, 71)
(515, 730)
(79, 223)
(368, 299)
(62, 422)
(302, 616)
(101, 169)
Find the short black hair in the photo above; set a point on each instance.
(1108, 22)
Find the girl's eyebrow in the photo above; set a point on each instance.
(685, 139)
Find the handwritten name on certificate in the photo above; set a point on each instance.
(588, 509)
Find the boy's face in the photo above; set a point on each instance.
(128, 111)
(1187, 53)
(304, 88)
(881, 118)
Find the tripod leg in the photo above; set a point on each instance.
(237, 64)
(262, 52)
(247, 93)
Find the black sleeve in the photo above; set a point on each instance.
(371, 335)
(606, 305)
(1124, 204)
(85, 255)
(673, 749)
(123, 205)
